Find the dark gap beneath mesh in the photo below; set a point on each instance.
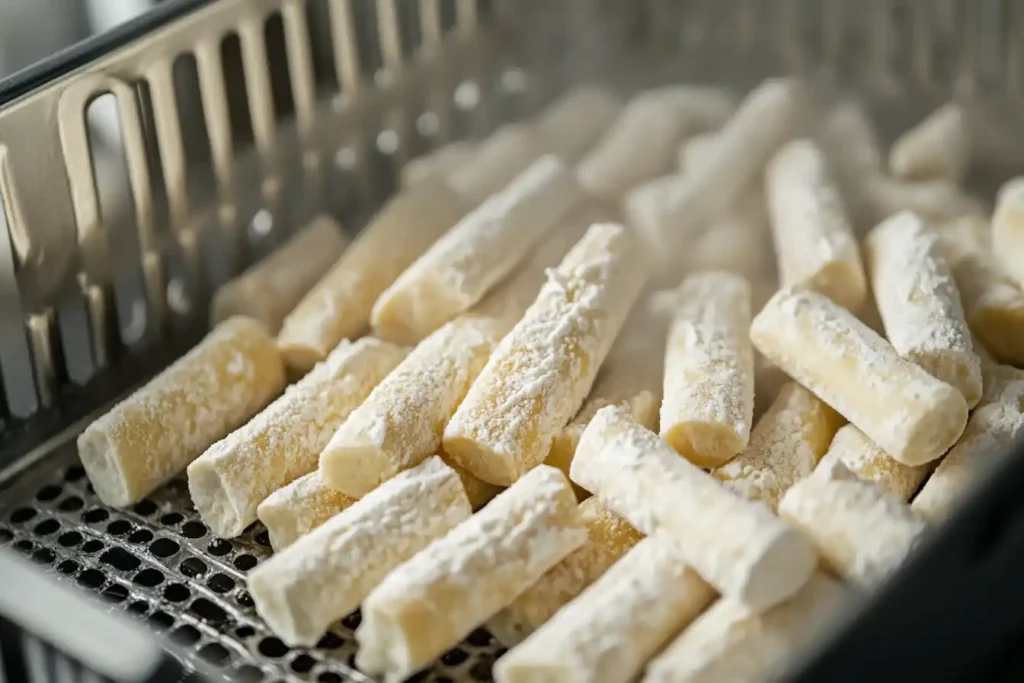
(141, 536)
(176, 592)
(220, 583)
(46, 527)
(207, 611)
(215, 654)
(48, 493)
(71, 504)
(149, 578)
(91, 578)
(145, 507)
(120, 559)
(95, 516)
(115, 593)
(164, 547)
(192, 567)
(74, 473)
(119, 527)
(193, 530)
(272, 647)
(22, 515)
(160, 620)
(185, 635)
(44, 556)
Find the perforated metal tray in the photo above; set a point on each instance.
(158, 563)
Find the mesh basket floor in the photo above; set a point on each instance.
(158, 563)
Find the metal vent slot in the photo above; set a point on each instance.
(112, 232)
(277, 63)
(368, 48)
(19, 396)
(325, 74)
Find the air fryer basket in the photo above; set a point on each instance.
(241, 118)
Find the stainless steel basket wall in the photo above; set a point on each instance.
(236, 122)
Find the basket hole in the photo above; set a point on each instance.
(92, 546)
(192, 567)
(148, 578)
(171, 518)
(328, 677)
(119, 527)
(71, 504)
(244, 599)
(91, 578)
(160, 620)
(141, 536)
(218, 547)
(479, 637)
(221, 583)
(207, 611)
(454, 657)
(115, 593)
(352, 662)
(215, 654)
(138, 607)
(193, 530)
(245, 562)
(6, 535)
(44, 556)
(303, 664)
(120, 559)
(353, 620)
(273, 648)
(95, 516)
(245, 632)
(48, 493)
(164, 547)
(145, 507)
(330, 641)
(176, 592)
(22, 515)
(46, 527)
(74, 473)
(481, 670)
(67, 567)
(185, 635)
(249, 674)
